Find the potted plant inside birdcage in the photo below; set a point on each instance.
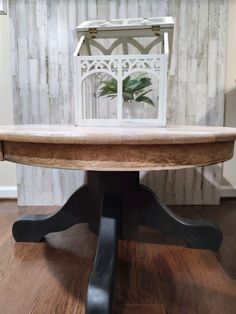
(135, 94)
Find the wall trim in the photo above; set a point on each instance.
(8, 191)
(11, 191)
(228, 191)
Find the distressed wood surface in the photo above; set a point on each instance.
(120, 149)
(68, 134)
(110, 157)
(43, 70)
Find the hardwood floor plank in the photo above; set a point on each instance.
(193, 281)
(143, 309)
(136, 277)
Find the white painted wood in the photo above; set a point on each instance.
(8, 192)
(120, 67)
(3, 7)
(43, 40)
(228, 191)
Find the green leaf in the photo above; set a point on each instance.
(132, 85)
(111, 84)
(137, 84)
(145, 82)
(145, 99)
(109, 87)
(125, 82)
(128, 96)
(142, 93)
(133, 89)
(105, 92)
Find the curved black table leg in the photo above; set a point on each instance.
(197, 233)
(101, 281)
(33, 228)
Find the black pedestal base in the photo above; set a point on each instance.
(114, 204)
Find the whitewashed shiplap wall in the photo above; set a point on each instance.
(43, 41)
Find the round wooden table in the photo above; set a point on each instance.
(113, 202)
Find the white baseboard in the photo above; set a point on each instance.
(8, 191)
(228, 191)
(11, 191)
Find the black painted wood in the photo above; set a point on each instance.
(101, 281)
(33, 228)
(197, 233)
(117, 203)
(124, 184)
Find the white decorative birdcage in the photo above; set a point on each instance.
(122, 69)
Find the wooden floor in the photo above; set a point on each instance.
(155, 273)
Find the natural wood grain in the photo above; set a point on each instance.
(142, 309)
(117, 157)
(43, 41)
(212, 290)
(67, 134)
(154, 274)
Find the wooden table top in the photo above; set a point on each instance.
(68, 134)
(116, 148)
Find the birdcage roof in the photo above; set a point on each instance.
(125, 27)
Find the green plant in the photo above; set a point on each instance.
(133, 89)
